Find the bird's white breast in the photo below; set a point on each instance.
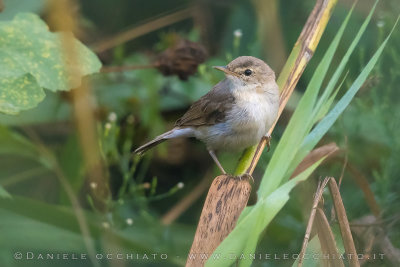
(254, 112)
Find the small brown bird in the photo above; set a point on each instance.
(235, 114)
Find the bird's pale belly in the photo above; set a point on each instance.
(232, 139)
(237, 134)
(245, 125)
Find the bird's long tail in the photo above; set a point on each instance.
(159, 139)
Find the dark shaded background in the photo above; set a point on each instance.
(146, 104)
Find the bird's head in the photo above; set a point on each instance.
(249, 70)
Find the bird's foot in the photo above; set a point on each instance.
(245, 176)
(268, 140)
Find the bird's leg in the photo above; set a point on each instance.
(214, 157)
(268, 139)
(246, 175)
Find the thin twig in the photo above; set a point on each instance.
(342, 172)
(140, 30)
(346, 156)
(363, 183)
(317, 198)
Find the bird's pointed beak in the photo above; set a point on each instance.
(226, 70)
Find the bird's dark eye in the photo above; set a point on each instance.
(248, 72)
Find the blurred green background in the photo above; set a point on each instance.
(141, 216)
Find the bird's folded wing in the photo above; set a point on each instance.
(210, 109)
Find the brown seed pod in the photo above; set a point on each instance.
(181, 59)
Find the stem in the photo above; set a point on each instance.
(145, 28)
(343, 224)
(317, 198)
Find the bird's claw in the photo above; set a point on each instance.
(245, 176)
(268, 140)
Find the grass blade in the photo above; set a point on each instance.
(335, 77)
(300, 123)
(323, 126)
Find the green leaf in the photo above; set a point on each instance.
(13, 143)
(327, 97)
(328, 103)
(32, 57)
(18, 93)
(72, 164)
(323, 126)
(52, 109)
(4, 193)
(343, 62)
(34, 225)
(16, 144)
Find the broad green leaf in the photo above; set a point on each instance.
(241, 240)
(19, 93)
(27, 47)
(52, 109)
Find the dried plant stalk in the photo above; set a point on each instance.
(225, 201)
(313, 156)
(327, 240)
(143, 29)
(63, 18)
(317, 198)
(325, 235)
(343, 224)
